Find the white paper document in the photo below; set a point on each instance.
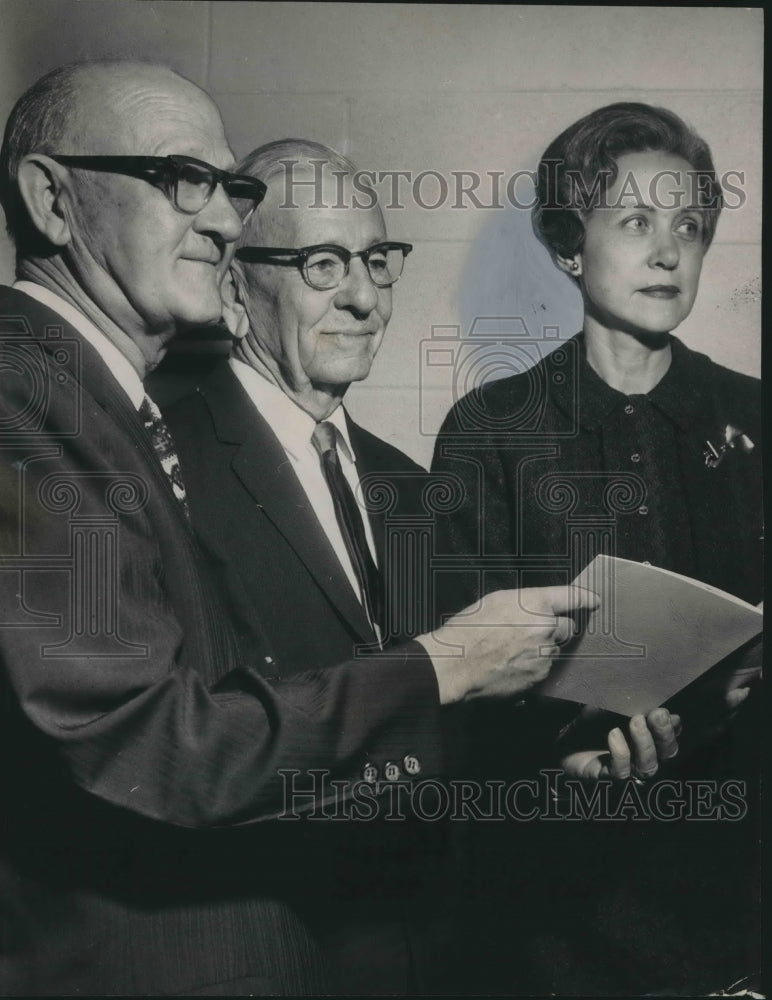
(654, 632)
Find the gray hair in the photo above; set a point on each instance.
(268, 160)
(275, 158)
(42, 120)
(37, 124)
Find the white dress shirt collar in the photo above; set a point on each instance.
(291, 425)
(294, 428)
(118, 364)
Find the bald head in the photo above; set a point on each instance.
(309, 338)
(95, 107)
(133, 107)
(301, 175)
(93, 162)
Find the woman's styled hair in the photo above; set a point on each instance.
(579, 167)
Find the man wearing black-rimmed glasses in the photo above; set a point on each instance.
(305, 559)
(308, 301)
(117, 186)
(138, 748)
(318, 530)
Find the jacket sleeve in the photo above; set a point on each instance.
(477, 524)
(118, 671)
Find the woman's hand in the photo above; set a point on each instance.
(650, 741)
(710, 705)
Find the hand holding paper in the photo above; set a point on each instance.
(655, 633)
(651, 741)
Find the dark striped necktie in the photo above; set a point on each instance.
(161, 437)
(349, 518)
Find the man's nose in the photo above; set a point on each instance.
(357, 290)
(219, 216)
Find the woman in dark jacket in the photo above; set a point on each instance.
(623, 441)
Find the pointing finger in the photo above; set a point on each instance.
(569, 599)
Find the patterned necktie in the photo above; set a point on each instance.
(159, 433)
(350, 522)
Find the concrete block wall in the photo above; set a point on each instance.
(449, 88)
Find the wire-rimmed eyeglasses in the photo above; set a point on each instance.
(325, 265)
(187, 182)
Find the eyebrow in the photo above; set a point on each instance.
(638, 207)
(368, 246)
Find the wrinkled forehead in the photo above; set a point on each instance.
(316, 203)
(149, 113)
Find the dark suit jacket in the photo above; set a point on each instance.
(256, 525)
(138, 750)
(293, 605)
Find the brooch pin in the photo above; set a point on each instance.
(733, 438)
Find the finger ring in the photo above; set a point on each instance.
(638, 777)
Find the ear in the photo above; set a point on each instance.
(233, 312)
(571, 265)
(41, 184)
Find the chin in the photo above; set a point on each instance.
(663, 328)
(654, 324)
(201, 309)
(357, 372)
(341, 375)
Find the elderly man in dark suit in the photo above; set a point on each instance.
(256, 441)
(138, 747)
(307, 323)
(274, 466)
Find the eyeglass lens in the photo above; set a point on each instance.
(325, 268)
(194, 186)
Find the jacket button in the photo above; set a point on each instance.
(411, 764)
(643, 510)
(635, 457)
(370, 774)
(629, 409)
(391, 771)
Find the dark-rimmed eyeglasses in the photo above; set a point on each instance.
(325, 265)
(187, 182)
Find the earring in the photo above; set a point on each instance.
(574, 265)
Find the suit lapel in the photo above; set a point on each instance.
(99, 392)
(262, 466)
(367, 464)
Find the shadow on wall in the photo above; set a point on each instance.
(514, 304)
